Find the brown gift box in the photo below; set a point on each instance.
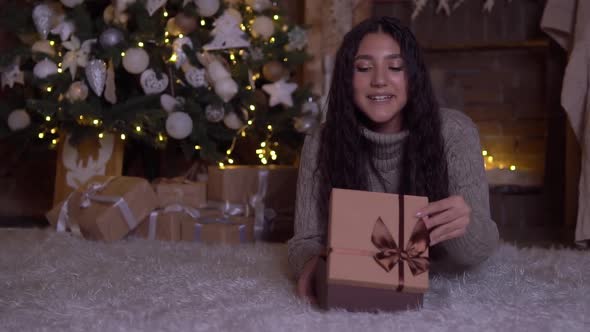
(163, 225)
(237, 184)
(181, 191)
(218, 229)
(106, 220)
(378, 252)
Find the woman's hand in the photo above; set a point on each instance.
(446, 219)
(306, 284)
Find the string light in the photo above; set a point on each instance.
(101, 135)
(140, 44)
(138, 129)
(252, 108)
(228, 152)
(231, 161)
(263, 144)
(123, 137)
(221, 165)
(197, 147)
(81, 117)
(484, 153)
(165, 14)
(181, 36)
(41, 135)
(285, 59)
(59, 70)
(202, 22)
(250, 122)
(49, 89)
(48, 118)
(122, 54)
(269, 127)
(276, 17)
(232, 57)
(173, 57)
(512, 167)
(490, 158)
(53, 130)
(243, 133)
(54, 141)
(248, 87)
(243, 27)
(166, 40)
(160, 137)
(166, 33)
(272, 40)
(51, 42)
(96, 122)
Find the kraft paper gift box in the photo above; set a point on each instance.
(377, 256)
(165, 224)
(105, 208)
(181, 191)
(217, 229)
(238, 184)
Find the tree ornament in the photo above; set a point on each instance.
(280, 92)
(263, 27)
(169, 103)
(122, 5)
(226, 34)
(177, 45)
(194, 76)
(297, 39)
(207, 8)
(110, 89)
(136, 60)
(77, 54)
(310, 107)
(217, 71)
(43, 15)
(110, 37)
(71, 3)
(259, 5)
(96, 75)
(44, 68)
(214, 113)
(173, 28)
(151, 84)
(186, 23)
(232, 121)
(78, 91)
(18, 119)
(64, 29)
(273, 70)
(179, 125)
(115, 17)
(226, 89)
(43, 46)
(305, 124)
(152, 6)
(12, 74)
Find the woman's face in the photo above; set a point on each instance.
(379, 82)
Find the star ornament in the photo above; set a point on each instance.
(280, 92)
(11, 75)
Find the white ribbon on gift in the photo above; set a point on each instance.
(194, 213)
(91, 195)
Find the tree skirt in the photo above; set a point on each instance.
(51, 281)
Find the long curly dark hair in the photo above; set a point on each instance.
(344, 152)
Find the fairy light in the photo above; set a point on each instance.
(285, 59)
(165, 14)
(263, 144)
(101, 135)
(228, 152)
(166, 40)
(59, 53)
(250, 122)
(243, 133)
(232, 57)
(252, 108)
(138, 129)
(490, 159)
(264, 161)
(248, 87)
(166, 33)
(243, 27)
(52, 43)
(123, 137)
(59, 64)
(181, 36)
(48, 118)
(221, 165)
(96, 122)
(484, 153)
(160, 137)
(202, 22)
(49, 89)
(173, 57)
(41, 135)
(54, 141)
(285, 28)
(513, 168)
(272, 40)
(276, 17)
(81, 117)
(59, 70)
(269, 127)
(140, 44)
(197, 147)
(231, 161)
(53, 130)
(122, 54)
(248, 9)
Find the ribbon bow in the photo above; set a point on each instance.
(390, 254)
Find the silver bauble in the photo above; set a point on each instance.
(179, 125)
(42, 18)
(110, 37)
(96, 75)
(18, 119)
(214, 113)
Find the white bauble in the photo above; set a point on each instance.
(259, 5)
(232, 120)
(179, 125)
(71, 3)
(77, 91)
(170, 103)
(18, 119)
(43, 46)
(214, 113)
(226, 88)
(207, 7)
(136, 60)
(263, 27)
(44, 68)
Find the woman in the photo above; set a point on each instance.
(385, 132)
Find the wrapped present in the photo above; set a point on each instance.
(181, 191)
(165, 223)
(377, 252)
(265, 190)
(105, 208)
(214, 228)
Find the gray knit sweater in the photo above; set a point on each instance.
(466, 178)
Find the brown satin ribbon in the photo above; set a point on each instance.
(389, 254)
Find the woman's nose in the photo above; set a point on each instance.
(378, 78)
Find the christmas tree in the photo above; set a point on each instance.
(204, 74)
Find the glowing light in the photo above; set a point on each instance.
(221, 165)
(231, 161)
(273, 157)
(285, 59)
(122, 54)
(484, 153)
(269, 127)
(165, 14)
(59, 70)
(202, 22)
(123, 136)
(181, 36)
(173, 57)
(512, 167)
(272, 40)
(41, 135)
(49, 89)
(81, 117)
(252, 108)
(263, 144)
(51, 42)
(166, 40)
(490, 158)
(48, 118)
(54, 141)
(248, 87)
(197, 147)
(232, 56)
(243, 27)
(140, 44)
(101, 135)
(276, 17)
(264, 161)
(53, 130)
(138, 128)
(250, 122)
(228, 152)
(95, 122)
(59, 64)
(243, 134)
(160, 137)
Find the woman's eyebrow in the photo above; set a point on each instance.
(370, 57)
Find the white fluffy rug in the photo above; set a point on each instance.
(55, 282)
